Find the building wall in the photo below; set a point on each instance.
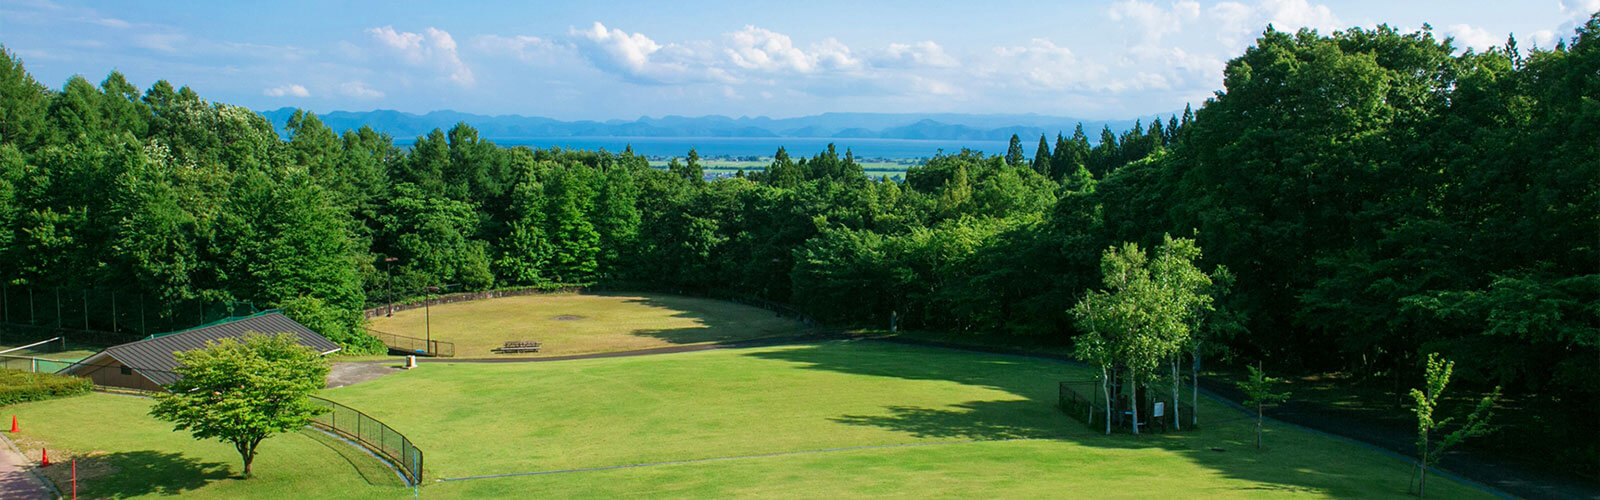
(108, 371)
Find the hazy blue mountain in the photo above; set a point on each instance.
(926, 126)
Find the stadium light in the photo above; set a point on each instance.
(427, 320)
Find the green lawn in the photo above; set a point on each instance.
(968, 425)
(500, 418)
(123, 453)
(587, 323)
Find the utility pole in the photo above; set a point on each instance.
(427, 321)
(389, 269)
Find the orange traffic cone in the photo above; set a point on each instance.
(14, 425)
(44, 457)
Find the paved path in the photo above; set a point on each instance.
(16, 481)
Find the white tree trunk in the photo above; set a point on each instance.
(1177, 421)
(1133, 402)
(1105, 385)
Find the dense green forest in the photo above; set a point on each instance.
(1375, 195)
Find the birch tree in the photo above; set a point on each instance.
(1143, 316)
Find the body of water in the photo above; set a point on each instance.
(797, 147)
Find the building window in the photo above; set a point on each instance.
(127, 371)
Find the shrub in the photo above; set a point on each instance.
(18, 386)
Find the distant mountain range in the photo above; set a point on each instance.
(930, 126)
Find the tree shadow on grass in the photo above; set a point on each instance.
(973, 420)
(138, 473)
(1292, 462)
(715, 328)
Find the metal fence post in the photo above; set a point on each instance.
(86, 309)
(113, 311)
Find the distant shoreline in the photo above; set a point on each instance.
(753, 148)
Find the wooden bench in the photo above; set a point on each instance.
(513, 346)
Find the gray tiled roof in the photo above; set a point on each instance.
(154, 357)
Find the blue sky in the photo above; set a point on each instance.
(606, 60)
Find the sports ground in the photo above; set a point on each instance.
(821, 418)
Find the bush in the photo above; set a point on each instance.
(18, 386)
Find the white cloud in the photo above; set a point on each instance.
(1153, 21)
(525, 48)
(925, 53)
(1579, 7)
(833, 54)
(1291, 15)
(111, 22)
(640, 59)
(359, 90)
(1467, 36)
(293, 90)
(1045, 65)
(1543, 38)
(1237, 24)
(433, 48)
(765, 50)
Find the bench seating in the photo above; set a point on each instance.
(518, 346)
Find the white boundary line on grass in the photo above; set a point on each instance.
(737, 457)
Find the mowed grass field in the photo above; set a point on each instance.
(124, 453)
(818, 420)
(587, 323)
(831, 419)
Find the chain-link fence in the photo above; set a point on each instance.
(1085, 401)
(373, 434)
(100, 310)
(413, 345)
(34, 365)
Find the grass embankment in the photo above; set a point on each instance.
(517, 418)
(123, 453)
(587, 323)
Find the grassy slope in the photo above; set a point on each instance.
(123, 453)
(609, 323)
(528, 417)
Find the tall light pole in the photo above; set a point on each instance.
(427, 320)
(388, 263)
